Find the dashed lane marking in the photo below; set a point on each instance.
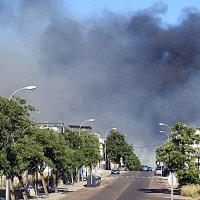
(132, 177)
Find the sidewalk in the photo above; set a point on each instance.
(161, 183)
(63, 189)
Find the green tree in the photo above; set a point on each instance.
(74, 142)
(14, 114)
(117, 147)
(179, 154)
(133, 162)
(38, 148)
(90, 149)
(85, 149)
(58, 153)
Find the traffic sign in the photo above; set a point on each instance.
(161, 164)
(172, 179)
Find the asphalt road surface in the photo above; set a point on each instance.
(127, 186)
(131, 185)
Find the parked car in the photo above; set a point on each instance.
(115, 171)
(144, 168)
(149, 169)
(159, 170)
(123, 168)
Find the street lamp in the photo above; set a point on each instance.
(105, 143)
(24, 88)
(7, 142)
(88, 120)
(161, 124)
(165, 133)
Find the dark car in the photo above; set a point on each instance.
(115, 171)
(149, 169)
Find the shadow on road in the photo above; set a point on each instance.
(159, 191)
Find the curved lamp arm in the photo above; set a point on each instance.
(24, 88)
(88, 120)
(165, 133)
(38, 123)
(35, 124)
(161, 124)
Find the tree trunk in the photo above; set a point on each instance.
(22, 188)
(24, 195)
(72, 177)
(12, 191)
(56, 183)
(44, 185)
(36, 183)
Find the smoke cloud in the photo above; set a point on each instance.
(129, 71)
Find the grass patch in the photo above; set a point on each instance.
(190, 190)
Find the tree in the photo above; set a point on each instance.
(14, 114)
(90, 149)
(73, 140)
(85, 149)
(40, 147)
(179, 154)
(117, 147)
(58, 153)
(133, 162)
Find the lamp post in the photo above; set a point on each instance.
(162, 124)
(24, 88)
(88, 120)
(105, 143)
(7, 142)
(165, 133)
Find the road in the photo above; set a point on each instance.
(135, 185)
(131, 185)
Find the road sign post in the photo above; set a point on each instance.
(121, 162)
(172, 182)
(161, 164)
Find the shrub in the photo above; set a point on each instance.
(187, 176)
(190, 190)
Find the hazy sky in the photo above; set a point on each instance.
(128, 65)
(87, 7)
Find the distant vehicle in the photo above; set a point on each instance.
(115, 171)
(149, 169)
(123, 168)
(159, 170)
(144, 168)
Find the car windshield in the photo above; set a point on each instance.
(158, 168)
(114, 169)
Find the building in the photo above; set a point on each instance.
(82, 128)
(196, 146)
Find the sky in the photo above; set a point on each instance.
(128, 64)
(172, 16)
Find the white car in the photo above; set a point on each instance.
(158, 170)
